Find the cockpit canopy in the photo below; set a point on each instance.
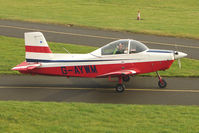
(121, 47)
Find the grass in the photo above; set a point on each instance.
(160, 17)
(81, 117)
(12, 53)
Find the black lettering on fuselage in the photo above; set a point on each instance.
(87, 69)
(63, 70)
(93, 69)
(81, 68)
(76, 70)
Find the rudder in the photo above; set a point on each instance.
(35, 42)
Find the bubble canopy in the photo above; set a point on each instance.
(125, 46)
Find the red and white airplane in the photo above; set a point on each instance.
(122, 58)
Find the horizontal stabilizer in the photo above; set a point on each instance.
(24, 66)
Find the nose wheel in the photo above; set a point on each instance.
(161, 83)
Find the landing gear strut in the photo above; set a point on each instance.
(126, 78)
(161, 83)
(120, 87)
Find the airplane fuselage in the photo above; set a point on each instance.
(71, 65)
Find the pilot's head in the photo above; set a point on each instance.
(120, 46)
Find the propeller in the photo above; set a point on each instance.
(176, 53)
(179, 64)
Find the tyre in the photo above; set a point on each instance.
(162, 84)
(120, 88)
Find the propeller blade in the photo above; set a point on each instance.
(175, 52)
(179, 64)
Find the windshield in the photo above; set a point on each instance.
(136, 47)
(117, 47)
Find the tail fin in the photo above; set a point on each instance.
(36, 47)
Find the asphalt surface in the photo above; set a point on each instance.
(140, 90)
(94, 37)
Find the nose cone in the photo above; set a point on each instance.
(178, 55)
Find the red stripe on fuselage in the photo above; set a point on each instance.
(38, 49)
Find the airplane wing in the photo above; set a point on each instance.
(24, 66)
(117, 73)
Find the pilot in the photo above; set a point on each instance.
(120, 49)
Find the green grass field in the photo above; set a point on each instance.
(34, 117)
(13, 52)
(170, 17)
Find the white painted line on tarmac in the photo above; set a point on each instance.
(108, 89)
(94, 36)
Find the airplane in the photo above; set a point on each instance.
(121, 59)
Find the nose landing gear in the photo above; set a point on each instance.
(161, 83)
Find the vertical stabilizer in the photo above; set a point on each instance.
(36, 47)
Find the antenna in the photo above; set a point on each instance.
(66, 50)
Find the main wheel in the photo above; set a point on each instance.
(120, 88)
(126, 78)
(162, 84)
